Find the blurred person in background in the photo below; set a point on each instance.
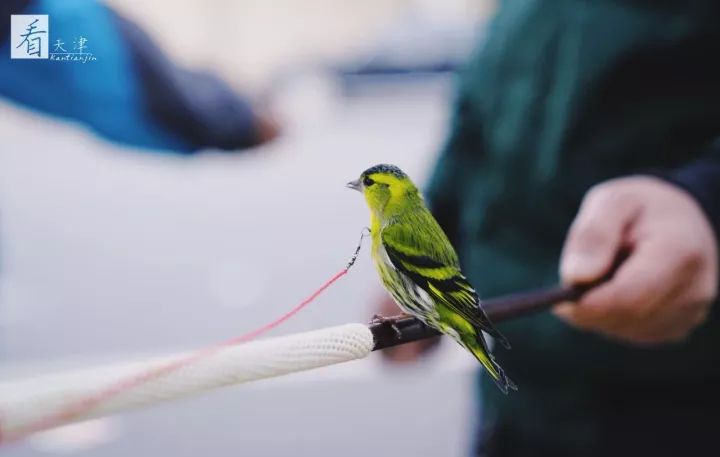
(132, 93)
(587, 132)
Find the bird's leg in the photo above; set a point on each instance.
(380, 319)
(392, 321)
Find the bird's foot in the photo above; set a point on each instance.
(380, 319)
(392, 321)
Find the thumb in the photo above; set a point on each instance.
(596, 234)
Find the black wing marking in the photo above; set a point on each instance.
(455, 292)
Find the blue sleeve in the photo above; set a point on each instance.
(197, 105)
(132, 93)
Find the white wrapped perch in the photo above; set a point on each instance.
(47, 401)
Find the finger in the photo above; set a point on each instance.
(405, 353)
(673, 319)
(410, 352)
(596, 235)
(640, 283)
(564, 310)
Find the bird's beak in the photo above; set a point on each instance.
(355, 185)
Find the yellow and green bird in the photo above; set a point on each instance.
(420, 268)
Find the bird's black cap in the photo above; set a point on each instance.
(385, 168)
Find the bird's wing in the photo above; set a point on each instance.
(422, 252)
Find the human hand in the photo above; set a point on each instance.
(267, 127)
(664, 287)
(408, 352)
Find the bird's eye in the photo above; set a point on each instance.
(368, 182)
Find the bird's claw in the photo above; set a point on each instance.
(392, 321)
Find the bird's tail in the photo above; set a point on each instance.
(477, 346)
